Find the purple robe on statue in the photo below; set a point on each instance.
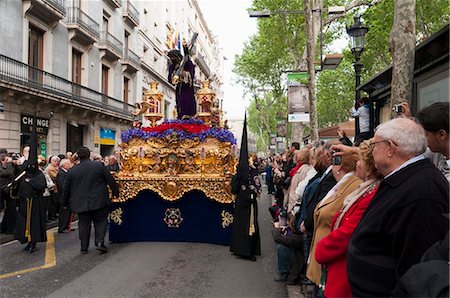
(184, 92)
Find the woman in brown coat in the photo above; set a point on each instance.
(347, 182)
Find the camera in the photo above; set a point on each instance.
(398, 109)
(335, 160)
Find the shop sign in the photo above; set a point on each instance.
(43, 148)
(26, 124)
(107, 136)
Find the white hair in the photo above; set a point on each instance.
(64, 162)
(407, 134)
(54, 157)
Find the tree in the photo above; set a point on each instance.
(280, 45)
(403, 44)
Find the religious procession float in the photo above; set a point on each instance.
(175, 177)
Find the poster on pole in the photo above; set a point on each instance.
(298, 103)
(281, 129)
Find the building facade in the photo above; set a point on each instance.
(79, 67)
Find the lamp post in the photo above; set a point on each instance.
(357, 33)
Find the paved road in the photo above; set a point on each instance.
(145, 269)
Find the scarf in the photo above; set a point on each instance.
(363, 189)
(295, 169)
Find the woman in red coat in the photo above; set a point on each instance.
(331, 251)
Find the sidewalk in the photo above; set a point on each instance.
(294, 291)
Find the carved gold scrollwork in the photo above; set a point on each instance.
(227, 218)
(116, 216)
(171, 167)
(217, 189)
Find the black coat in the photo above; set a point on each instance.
(60, 181)
(323, 188)
(86, 187)
(402, 221)
(241, 243)
(31, 189)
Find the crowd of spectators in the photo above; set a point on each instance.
(54, 168)
(369, 219)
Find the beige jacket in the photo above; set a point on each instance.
(323, 215)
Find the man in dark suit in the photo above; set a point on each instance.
(64, 211)
(87, 192)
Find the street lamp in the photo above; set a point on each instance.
(357, 33)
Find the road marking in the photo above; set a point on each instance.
(50, 258)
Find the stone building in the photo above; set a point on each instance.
(80, 66)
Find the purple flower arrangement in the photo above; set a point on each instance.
(185, 129)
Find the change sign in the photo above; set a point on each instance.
(26, 124)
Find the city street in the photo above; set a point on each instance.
(145, 269)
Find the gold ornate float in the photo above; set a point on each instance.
(176, 157)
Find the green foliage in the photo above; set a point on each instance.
(279, 45)
(335, 94)
(265, 111)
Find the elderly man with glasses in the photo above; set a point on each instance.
(404, 218)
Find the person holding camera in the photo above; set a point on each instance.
(331, 251)
(343, 170)
(362, 113)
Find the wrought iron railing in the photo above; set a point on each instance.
(59, 5)
(76, 16)
(16, 72)
(131, 10)
(107, 39)
(131, 56)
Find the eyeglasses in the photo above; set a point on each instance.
(383, 141)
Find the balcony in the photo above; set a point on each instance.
(113, 3)
(130, 14)
(110, 47)
(47, 11)
(82, 28)
(130, 62)
(24, 78)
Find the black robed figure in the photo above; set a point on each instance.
(245, 240)
(30, 224)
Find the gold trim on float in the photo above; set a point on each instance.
(172, 167)
(116, 216)
(172, 189)
(227, 218)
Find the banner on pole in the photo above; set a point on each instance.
(298, 103)
(281, 129)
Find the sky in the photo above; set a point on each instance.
(229, 21)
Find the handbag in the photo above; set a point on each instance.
(323, 281)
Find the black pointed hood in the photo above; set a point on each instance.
(33, 156)
(243, 168)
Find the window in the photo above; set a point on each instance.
(166, 109)
(126, 42)
(105, 72)
(76, 66)
(126, 90)
(105, 26)
(35, 52)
